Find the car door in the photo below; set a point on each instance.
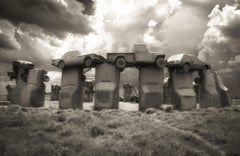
(72, 58)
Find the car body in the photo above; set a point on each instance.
(73, 58)
(139, 57)
(22, 64)
(127, 92)
(225, 98)
(186, 62)
(150, 90)
(107, 87)
(55, 91)
(34, 92)
(181, 92)
(120, 98)
(135, 98)
(150, 95)
(20, 68)
(121, 60)
(208, 93)
(71, 95)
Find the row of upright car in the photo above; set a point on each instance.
(139, 57)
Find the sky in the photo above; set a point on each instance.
(41, 30)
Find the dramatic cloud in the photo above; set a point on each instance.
(54, 16)
(220, 44)
(186, 28)
(89, 6)
(40, 30)
(7, 36)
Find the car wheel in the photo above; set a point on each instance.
(160, 62)
(88, 62)
(121, 62)
(186, 67)
(61, 64)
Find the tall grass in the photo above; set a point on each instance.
(50, 132)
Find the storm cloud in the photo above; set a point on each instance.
(89, 6)
(54, 16)
(40, 30)
(7, 36)
(220, 45)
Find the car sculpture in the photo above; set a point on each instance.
(75, 58)
(140, 56)
(34, 92)
(25, 66)
(186, 62)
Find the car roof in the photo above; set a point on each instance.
(175, 57)
(179, 57)
(139, 47)
(75, 53)
(23, 62)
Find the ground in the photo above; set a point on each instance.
(48, 131)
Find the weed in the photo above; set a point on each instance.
(96, 131)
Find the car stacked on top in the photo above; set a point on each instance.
(75, 58)
(186, 62)
(139, 57)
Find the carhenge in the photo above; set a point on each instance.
(190, 81)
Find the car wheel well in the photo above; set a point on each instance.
(187, 63)
(157, 57)
(207, 66)
(60, 61)
(24, 77)
(59, 64)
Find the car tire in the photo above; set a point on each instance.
(88, 62)
(186, 67)
(61, 64)
(121, 62)
(160, 62)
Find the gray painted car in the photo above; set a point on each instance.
(186, 62)
(73, 58)
(139, 57)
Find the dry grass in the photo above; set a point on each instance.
(53, 132)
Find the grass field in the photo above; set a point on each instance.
(49, 131)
